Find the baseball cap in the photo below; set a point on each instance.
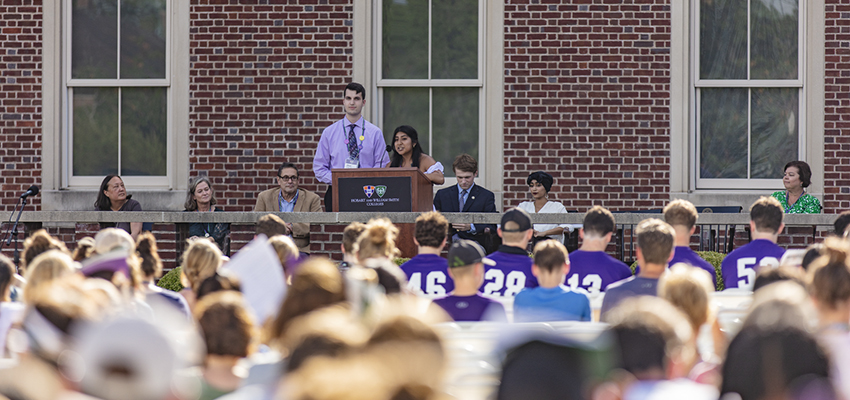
(518, 217)
(467, 252)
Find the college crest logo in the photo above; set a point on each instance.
(381, 190)
(368, 189)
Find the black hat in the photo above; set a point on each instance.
(518, 217)
(467, 252)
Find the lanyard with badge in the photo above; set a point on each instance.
(352, 162)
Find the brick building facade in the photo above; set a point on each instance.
(595, 92)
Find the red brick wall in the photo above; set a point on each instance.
(265, 80)
(587, 100)
(836, 138)
(20, 100)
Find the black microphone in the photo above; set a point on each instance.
(32, 191)
(389, 148)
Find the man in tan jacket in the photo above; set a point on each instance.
(290, 198)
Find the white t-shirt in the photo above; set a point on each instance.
(551, 207)
(10, 313)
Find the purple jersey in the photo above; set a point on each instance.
(510, 275)
(428, 274)
(684, 254)
(595, 270)
(472, 308)
(739, 267)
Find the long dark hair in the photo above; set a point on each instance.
(103, 202)
(396, 159)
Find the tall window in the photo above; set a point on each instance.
(430, 74)
(749, 91)
(117, 85)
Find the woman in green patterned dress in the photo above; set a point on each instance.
(794, 198)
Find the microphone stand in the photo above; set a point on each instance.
(13, 235)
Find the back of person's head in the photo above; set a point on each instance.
(841, 223)
(391, 277)
(780, 305)
(271, 225)
(812, 253)
(767, 275)
(37, 243)
(47, 267)
(550, 255)
(542, 370)
(655, 240)
(7, 274)
(688, 289)
(774, 364)
(650, 333)
(404, 328)
(84, 249)
(681, 212)
(377, 240)
(317, 283)
(829, 281)
(286, 251)
(767, 214)
(222, 281)
(431, 229)
(350, 235)
(226, 325)
(111, 239)
(465, 163)
(146, 249)
(515, 225)
(200, 261)
(598, 221)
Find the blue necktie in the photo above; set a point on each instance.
(463, 198)
(353, 150)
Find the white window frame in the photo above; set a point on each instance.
(68, 178)
(682, 106)
(699, 83)
(381, 83)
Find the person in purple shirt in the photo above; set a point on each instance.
(655, 239)
(466, 267)
(682, 216)
(427, 272)
(351, 142)
(512, 270)
(591, 268)
(739, 267)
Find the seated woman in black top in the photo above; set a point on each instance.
(113, 197)
(202, 198)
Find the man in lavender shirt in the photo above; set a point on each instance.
(351, 142)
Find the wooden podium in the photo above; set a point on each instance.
(384, 190)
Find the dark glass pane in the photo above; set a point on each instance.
(455, 121)
(143, 39)
(723, 133)
(95, 131)
(723, 39)
(773, 35)
(407, 106)
(94, 39)
(454, 43)
(143, 131)
(775, 130)
(404, 52)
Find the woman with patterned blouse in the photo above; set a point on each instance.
(794, 198)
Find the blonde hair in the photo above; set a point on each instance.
(110, 239)
(350, 235)
(829, 274)
(47, 267)
(681, 212)
(689, 289)
(377, 240)
(84, 250)
(286, 251)
(200, 261)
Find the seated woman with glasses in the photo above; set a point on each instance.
(539, 184)
(201, 198)
(407, 152)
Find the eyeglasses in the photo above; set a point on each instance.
(288, 178)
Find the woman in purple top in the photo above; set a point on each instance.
(113, 197)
